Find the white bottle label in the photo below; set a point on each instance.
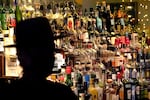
(129, 92)
(138, 90)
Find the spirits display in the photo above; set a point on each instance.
(100, 56)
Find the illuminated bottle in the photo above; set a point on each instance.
(18, 13)
(92, 90)
(3, 17)
(12, 22)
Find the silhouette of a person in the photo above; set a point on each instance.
(35, 50)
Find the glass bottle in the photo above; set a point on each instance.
(18, 12)
(68, 76)
(86, 94)
(3, 17)
(12, 22)
(1, 7)
(99, 90)
(92, 90)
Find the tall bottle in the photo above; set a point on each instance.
(18, 12)
(1, 7)
(92, 90)
(12, 22)
(3, 16)
(86, 94)
(99, 90)
(127, 85)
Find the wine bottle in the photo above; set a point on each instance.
(3, 17)
(18, 12)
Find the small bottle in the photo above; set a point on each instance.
(68, 76)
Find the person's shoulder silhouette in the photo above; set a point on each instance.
(35, 51)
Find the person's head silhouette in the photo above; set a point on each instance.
(35, 50)
(35, 47)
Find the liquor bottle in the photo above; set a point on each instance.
(145, 90)
(114, 75)
(3, 17)
(120, 90)
(99, 90)
(127, 85)
(92, 90)
(99, 23)
(134, 83)
(18, 12)
(86, 94)
(1, 7)
(137, 88)
(112, 22)
(12, 22)
(80, 84)
(68, 80)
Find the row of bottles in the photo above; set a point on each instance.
(106, 61)
(10, 13)
(100, 57)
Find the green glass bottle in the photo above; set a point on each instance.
(0, 11)
(18, 12)
(3, 16)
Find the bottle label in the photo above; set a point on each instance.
(137, 90)
(112, 21)
(70, 23)
(114, 76)
(12, 20)
(129, 92)
(128, 85)
(134, 72)
(122, 21)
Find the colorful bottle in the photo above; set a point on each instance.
(3, 17)
(92, 90)
(12, 22)
(68, 76)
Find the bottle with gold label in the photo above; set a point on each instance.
(92, 90)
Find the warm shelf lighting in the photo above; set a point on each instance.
(147, 19)
(139, 12)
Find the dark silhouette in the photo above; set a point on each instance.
(35, 51)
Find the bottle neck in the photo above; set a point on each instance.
(91, 84)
